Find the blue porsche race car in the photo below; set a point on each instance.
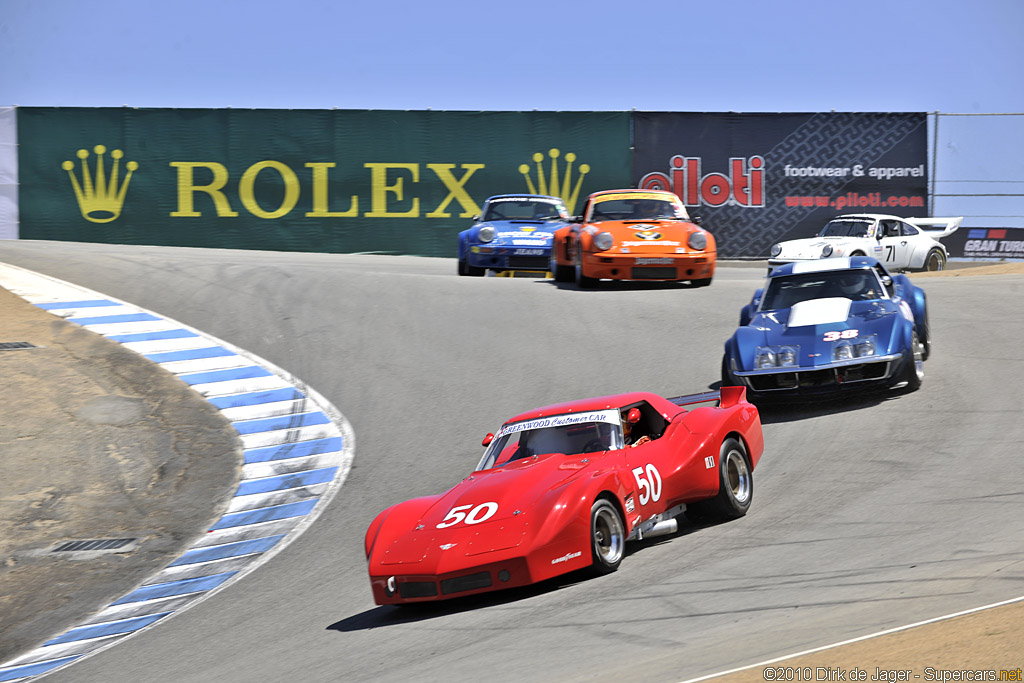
(513, 232)
(828, 326)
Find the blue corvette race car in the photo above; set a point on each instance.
(513, 232)
(828, 326)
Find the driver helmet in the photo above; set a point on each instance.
(851, 283)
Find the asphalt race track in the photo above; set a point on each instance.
(866, 516)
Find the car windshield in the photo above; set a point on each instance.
(515, 209)
(632, 209)
(568, 434)
(845, 228)
(785, 291)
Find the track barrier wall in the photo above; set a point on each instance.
(406, 182)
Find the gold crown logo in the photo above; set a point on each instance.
(553, 187)
(100, 200)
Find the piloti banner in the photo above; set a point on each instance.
(757, 179)
(396, 182)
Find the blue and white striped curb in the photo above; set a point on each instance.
(297, 451)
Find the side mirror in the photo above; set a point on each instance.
(576, 219)
(476, 218)
(697, 220)
(487, 440)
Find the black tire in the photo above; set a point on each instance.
(561, 273)
(727, 379)
(607, 536)
(926, 338)
(702, 283)
(913, 365)
(582, 281)
(466, 269)
(735, 486)
(935, 260)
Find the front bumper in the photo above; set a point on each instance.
(605, 266)
(509, 258)
(823, 379)
(412, 587)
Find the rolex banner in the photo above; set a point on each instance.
(394, 182)
(757, 179)
(406, 182)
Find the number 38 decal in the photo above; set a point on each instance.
(649, 482)
(480, 513)
(845, 334)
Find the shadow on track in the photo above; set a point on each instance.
(390, 615)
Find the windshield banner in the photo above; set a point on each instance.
(611, 416)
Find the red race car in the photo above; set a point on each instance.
(563, 488)
(633, 235)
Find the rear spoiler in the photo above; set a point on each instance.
(726, 397)
(948, 224)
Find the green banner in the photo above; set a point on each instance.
(401, 182)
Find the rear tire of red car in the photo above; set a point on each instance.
(607, 536)
(582, 281)
(735, 487)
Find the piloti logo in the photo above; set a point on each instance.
(743, 186)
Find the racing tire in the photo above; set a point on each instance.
(934, 261)
(913, 366)
(926, 338)
(607, 537)
(727, 379)
(702, 283)
(559, 272)
(582, 281)
(735, 487)
(472, 271)
(857, 253)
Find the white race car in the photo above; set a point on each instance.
(899, 243)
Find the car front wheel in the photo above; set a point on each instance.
(607, 536)
(582, 281)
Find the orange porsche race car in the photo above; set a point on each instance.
(633, 235)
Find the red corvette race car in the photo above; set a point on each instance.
(563, 488)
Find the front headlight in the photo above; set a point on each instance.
(698, 241)
(603, 241)
(826, 251)
(775, 250)
(486, 234)
(842, 351)
(786, 356)
(764, 357)
(775, 357)
(864, 347)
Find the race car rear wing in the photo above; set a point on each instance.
(726, 397)
(949, 225)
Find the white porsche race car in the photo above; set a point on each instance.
(899, 243)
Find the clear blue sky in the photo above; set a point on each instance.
(677, 55)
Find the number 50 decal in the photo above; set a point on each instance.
(480, 513)
(650, 485)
